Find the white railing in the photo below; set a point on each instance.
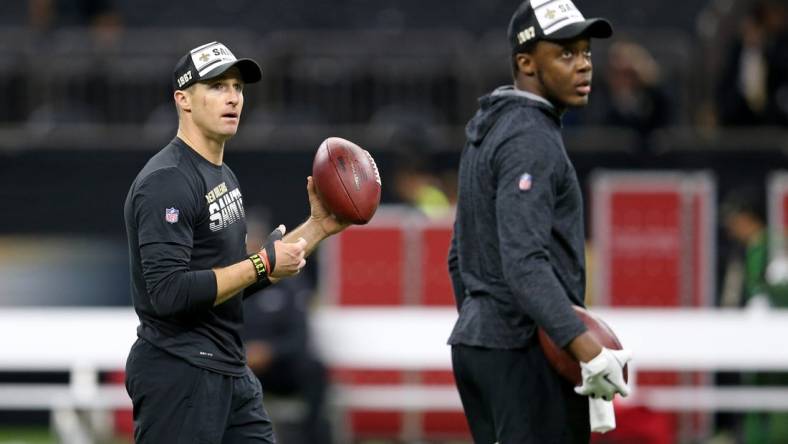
(86, 341)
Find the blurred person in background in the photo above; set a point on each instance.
(90, 25)
(100, 16)
(746, 285)
(186, 374)
(753, 86)
(516, 255)
(417, 187)
(448, 181)
(633, 95)
(278, 345)
(414, 182)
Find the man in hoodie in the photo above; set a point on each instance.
(516, 258)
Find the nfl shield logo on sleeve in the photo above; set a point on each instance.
(525, 182)
(171, 215)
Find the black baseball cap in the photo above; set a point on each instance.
(211, 60)
(538, 20)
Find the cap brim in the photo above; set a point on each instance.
(597, 28)
(250, 70)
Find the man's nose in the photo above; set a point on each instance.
(584, 64)
(234, 96)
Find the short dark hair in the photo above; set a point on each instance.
(528, 48)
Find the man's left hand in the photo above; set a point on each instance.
(319, 214)
(603, 376)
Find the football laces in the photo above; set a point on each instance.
(374, 167)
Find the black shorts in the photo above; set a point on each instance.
(515, 397)
(176, 402)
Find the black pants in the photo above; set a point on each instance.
(175, 402)
(515, 397)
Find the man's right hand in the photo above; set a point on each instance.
(603, 376)
(290, 258)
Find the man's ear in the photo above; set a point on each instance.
(183, 100)
(526, 63)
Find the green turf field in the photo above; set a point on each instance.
(26, 435)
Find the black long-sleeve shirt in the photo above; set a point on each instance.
(517, 252)
(185, 216)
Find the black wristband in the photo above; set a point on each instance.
(259, 267)
(270, 251)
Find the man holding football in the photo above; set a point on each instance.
(186, 374)
(517, 252)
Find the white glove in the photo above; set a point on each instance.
(603, 376)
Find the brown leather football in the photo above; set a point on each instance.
(563, 362)
(347, 180)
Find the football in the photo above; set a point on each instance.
(347, 180)
(563, 362)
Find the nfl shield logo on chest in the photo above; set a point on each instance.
(171, 215)
(525, 182)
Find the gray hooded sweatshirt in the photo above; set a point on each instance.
(517, 252)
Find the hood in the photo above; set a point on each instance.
(494, 105)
